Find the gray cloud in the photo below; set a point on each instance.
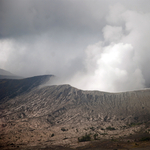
(33, 17)
(90, 44)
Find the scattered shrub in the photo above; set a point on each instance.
(104, 134)
(134, 124)
(52, 135)
(145, 139)
(87, 137)
(63, 129)
(92, 128)
(4, 125)
(110, 128)
(95, 136)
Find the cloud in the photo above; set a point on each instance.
(112, 33)
(90, 44)
(48, 36)
(111, 68)
(28, 17)
(119, 62)
(5, 46)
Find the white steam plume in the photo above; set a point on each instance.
(119, 62)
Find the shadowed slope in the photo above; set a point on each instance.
(8, 75)
(10, 88)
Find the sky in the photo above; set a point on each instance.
(90, 44)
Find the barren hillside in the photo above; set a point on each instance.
(62, 115)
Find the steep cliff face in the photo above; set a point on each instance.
(61, 114)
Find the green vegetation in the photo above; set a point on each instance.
(134, 124)
(63, 129)
(95, 136)
(87, 137)
(110, 128)
(52, 135)
(145, 139)
(114, 140)
(92, 128)
(65, 138)
(104, 134)
(123, 127)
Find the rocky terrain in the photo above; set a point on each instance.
(33, 115)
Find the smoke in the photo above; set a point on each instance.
(92, 45)
(120, 61)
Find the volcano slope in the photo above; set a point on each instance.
(64, 115)
(8, 75)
